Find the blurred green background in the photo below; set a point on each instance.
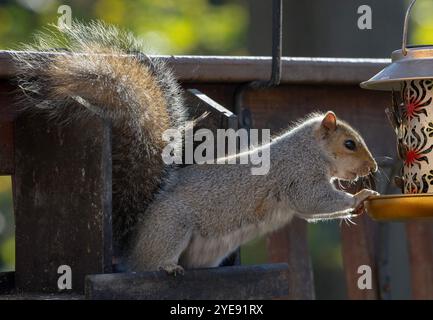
(169, 26)
(218, 27)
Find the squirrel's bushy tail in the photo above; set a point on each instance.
(100, 70)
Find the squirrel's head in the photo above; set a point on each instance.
(350, 157)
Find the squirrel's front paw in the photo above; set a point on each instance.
(361, 196)
(173, 269)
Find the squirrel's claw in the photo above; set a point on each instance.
(361, 196)
(173, 269)
(358, 210)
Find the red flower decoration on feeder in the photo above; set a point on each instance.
(414, 99)
(417, 153)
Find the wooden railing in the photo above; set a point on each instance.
(30, 149)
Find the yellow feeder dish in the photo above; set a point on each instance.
(400, 206)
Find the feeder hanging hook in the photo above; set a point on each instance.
(405, 27)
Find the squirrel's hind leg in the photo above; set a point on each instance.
(159, 249)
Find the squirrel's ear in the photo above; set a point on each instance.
(329, 121)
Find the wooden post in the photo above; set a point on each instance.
(62, 198)
(358, 248)
(420, 246)
(290, 245)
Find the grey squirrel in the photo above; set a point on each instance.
(212, 209)
(170, 218)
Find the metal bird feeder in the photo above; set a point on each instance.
(410, 78)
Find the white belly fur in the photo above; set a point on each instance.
(204, 252)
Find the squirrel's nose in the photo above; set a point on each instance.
(371, 165)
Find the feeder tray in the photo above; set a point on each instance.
(400, 206)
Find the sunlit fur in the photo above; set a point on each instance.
(347, 164)
(100, 70)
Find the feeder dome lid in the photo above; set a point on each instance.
(416, 64)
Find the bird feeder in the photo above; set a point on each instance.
(410, 79)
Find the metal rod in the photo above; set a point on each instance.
(277, 40)
(277, 44)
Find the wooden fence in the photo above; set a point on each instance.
(65, 218)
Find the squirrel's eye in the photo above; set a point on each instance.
(350, 144)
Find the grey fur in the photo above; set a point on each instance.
(212, 209)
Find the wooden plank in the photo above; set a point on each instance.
(62, 198)
(200, 69)
(359, 244)
(238, 282)
(295, 70)
(217, 116)
(420, 246)
(208, 114)
(358, 248)
(290, 245)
